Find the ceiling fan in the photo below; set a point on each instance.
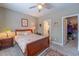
(41, 6)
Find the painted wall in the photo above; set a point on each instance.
(56, 21)
(41, 29)
(2, 18)
(11, 19)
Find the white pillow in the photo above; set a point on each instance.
(20, 33)
(23, 33)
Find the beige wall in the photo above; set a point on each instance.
(2, 18)
(12, 19)
(41, 29)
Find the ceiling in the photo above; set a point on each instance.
(24, 8)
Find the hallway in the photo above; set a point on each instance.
(72, 44)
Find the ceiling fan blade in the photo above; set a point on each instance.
(48, 6)
(32, 7)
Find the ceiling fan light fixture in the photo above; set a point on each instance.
(40, 7)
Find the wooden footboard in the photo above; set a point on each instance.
(37, 47)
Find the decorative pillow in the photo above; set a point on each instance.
(11, 34)
(3, 35)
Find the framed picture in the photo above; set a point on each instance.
(24, 22)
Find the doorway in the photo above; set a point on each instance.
(70, 32)
(46, 28)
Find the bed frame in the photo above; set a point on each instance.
(19, 30)
(35, 47)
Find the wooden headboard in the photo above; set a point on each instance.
(20, 30)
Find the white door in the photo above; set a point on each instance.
(46, 28)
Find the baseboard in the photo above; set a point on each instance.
(57, 43)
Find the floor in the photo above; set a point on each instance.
(72, 44)
(69, 49)
(15, 51)
(12, 51)
(54, 50)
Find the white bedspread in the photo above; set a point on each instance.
(25, 39)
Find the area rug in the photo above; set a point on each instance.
(52, 52)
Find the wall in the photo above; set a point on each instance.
(41, 21)
(13, 19)
(40, 28)
(2, 19)
(56, 17)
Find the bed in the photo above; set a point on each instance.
(31, 44)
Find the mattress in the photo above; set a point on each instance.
(23, 40)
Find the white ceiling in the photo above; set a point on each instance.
(24, 8)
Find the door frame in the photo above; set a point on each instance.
(63, 18)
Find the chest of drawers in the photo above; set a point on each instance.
(5, 43)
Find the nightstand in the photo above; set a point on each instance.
(5, 43)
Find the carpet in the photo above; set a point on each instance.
(15, 51)
(52, 52)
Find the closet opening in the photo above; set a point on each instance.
(70, 28)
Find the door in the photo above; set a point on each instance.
(64, 31)
(46, 28)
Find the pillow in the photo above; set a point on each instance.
(3, 35)
(19, 33)
(11, 34)
(23, 33)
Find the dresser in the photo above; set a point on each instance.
(6, 43)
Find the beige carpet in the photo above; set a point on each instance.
(67, 50)
(55, 50)
(15, 51)
(12, 51)
(52, 52)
